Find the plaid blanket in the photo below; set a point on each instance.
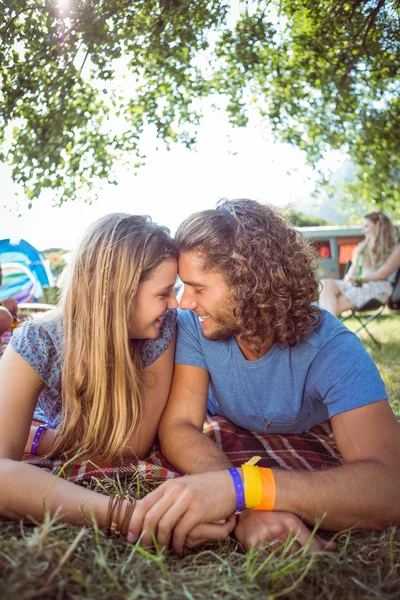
(312, 450)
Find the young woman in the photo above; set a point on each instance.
(366, 278)
(99, 370)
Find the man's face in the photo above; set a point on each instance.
(208, 296)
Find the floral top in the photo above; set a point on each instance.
(40, 343)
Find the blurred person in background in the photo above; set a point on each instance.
(372, 272)
(8, 310)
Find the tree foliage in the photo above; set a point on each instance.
(80, 80)
(300, 219)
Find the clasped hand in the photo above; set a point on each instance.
(187, 511)
(194, 509)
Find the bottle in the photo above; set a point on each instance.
(14, 324)
(358, 279)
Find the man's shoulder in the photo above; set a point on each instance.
(328, 335)
(328, 328)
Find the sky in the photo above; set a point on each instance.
(229, 162)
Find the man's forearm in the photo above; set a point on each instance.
(363, 494)
(190, 450)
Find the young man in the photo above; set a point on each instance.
(253, 347)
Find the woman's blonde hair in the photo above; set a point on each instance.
(102, 378)
(375, 250)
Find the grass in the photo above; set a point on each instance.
(53, 560)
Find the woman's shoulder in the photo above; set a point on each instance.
(38, 342)
(41, 331)
(153, 349)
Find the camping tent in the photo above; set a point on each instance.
(25, 271)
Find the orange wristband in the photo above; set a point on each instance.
(268, 490)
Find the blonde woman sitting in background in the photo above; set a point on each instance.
(372, 272)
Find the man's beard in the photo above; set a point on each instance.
(224, 328)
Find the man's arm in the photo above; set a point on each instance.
(185, 446)
(364, 492)
(183, 442)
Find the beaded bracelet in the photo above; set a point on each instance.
(113, 525)
(37, 437)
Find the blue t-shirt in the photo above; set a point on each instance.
(289, 390)
(40, 343)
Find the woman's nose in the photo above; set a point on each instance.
(173, 301)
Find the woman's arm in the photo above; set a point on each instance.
(390, 264)
(158, 378)
(27, 492)
(24, 489)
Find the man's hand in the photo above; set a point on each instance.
(11, 305)
(257, 527)
(175, 508)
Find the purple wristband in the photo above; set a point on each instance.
(37, 437)
(239, 490)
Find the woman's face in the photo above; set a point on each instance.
(370, 229)
(154, 297)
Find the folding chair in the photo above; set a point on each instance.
(377, 307)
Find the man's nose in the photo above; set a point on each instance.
(185, 300)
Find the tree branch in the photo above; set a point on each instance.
(371, 22)
(362, 46)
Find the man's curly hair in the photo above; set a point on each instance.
(268, 265)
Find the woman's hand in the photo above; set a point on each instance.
(175, 508)
(210, 531)
(258, 527)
